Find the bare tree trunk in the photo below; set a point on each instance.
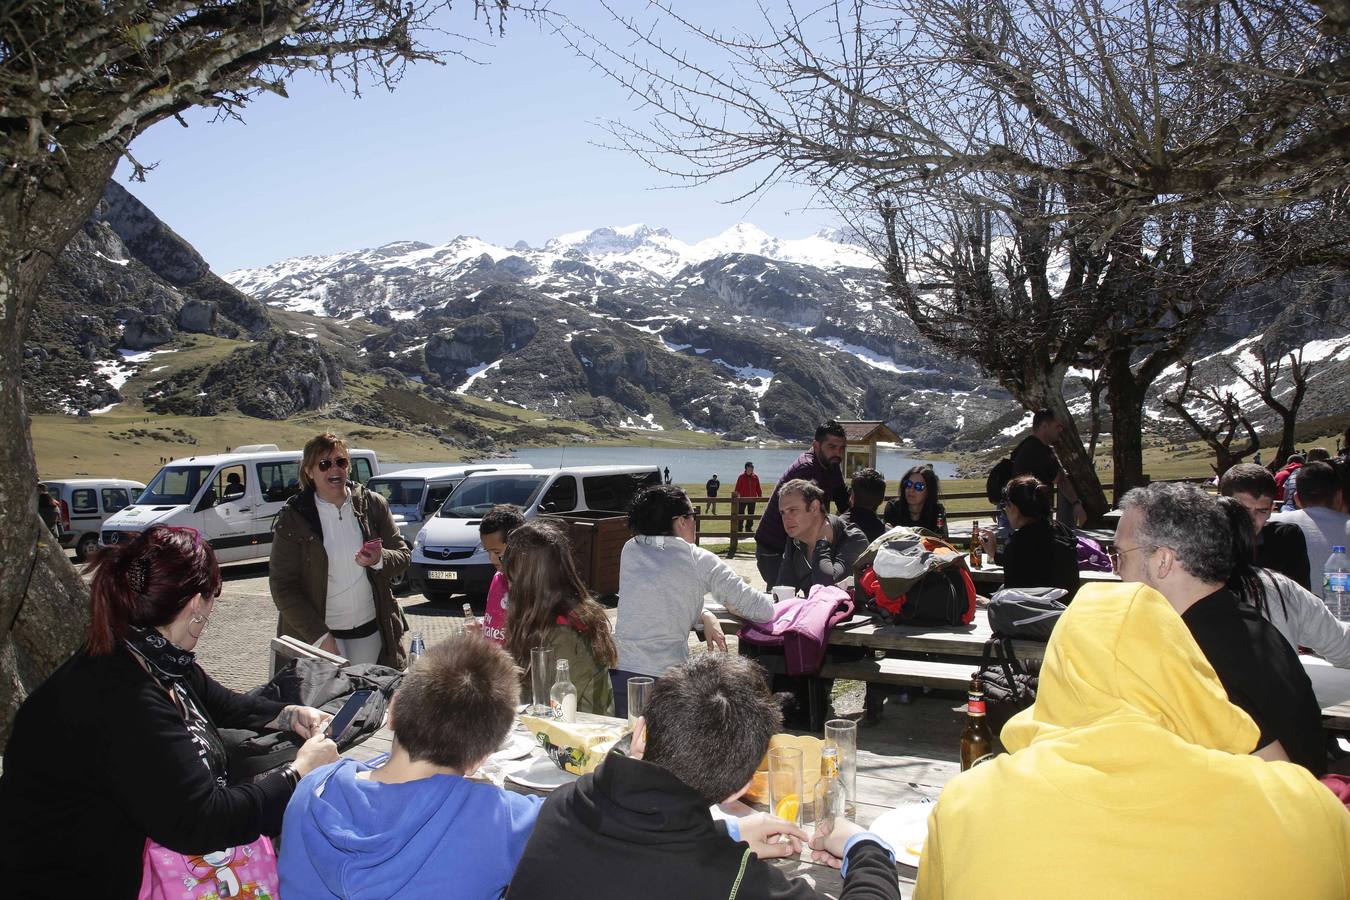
(1045, 390)
(43, 601)
(1126, 398)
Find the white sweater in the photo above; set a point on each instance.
(1304, 619)
(351, 602)
(662, 580)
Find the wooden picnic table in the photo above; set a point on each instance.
(883, 782)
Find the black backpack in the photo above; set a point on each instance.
(1000, 475)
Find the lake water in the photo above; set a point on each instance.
(696, 466)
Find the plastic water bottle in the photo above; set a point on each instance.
(1336, 584)
(417, 648)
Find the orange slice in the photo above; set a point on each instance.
(788, 807)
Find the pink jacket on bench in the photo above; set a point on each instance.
(801, 626)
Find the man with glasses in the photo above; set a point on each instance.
(1178, 540)
(1279, 545)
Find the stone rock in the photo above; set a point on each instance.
(198, 317)
(144, 332)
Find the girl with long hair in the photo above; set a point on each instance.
(1042, 552)
(552, 607)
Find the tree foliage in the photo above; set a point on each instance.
(79, 80)
(1049, 183)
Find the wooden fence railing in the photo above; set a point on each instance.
(743, 516)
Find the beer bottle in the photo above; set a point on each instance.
(976, 556)
(977, 742)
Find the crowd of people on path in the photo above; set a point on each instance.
(1172, 710)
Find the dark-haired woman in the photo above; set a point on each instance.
(1042, 552)
(1299, 615)
(329, 579)
(918, 505)
(121, 743)
(551, 607)
(663, 577)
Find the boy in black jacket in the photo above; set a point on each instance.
(640, 826)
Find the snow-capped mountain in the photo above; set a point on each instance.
(630, 253)
(629, 326)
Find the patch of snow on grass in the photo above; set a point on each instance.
(476, 373)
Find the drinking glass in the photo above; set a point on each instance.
(785, 784)
(639, 686)
(542, 670)
(843, 733)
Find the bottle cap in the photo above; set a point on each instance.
(1337, 549)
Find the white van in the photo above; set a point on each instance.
(86, 503)
(414, 495)
(231, 498)
(449, 558)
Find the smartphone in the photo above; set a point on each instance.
(373, 546)
(339, 723)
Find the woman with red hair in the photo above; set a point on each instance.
(122, 744)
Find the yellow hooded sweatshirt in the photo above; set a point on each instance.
(1129, 777)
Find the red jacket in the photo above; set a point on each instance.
(1282, 476)
(748, 486)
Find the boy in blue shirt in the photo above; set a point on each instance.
(415, 827)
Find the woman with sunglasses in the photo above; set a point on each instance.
(918, 506)
(663, 577)
(122, 742)
(335, 550)
(1041, 552)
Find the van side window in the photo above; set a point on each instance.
(615, 492)
(114, 499)
(230, 484)
(279, 480)
(360, 469)
(435, 497)
(561, 496)
(83, 501)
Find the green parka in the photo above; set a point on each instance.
(299, 570)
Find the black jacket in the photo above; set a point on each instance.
(100, 758)
(632, 829)
(1042, 554)
(1261, 674)
(829, 565)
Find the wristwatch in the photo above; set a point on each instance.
(291, 774)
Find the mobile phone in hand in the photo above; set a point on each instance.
(373, 547)
(339, 722)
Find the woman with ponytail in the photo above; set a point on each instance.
(122, 745)
(551, 607)
(1299, 615)
(1042, 552)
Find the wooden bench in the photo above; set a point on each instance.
(904, 672)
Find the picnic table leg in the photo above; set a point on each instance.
(817, 701)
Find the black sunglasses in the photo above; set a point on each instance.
(919, 486)
(326, 464)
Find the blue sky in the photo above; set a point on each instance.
(505, 151)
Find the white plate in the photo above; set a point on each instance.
(516, 746)
(542, 775)
(905, 828)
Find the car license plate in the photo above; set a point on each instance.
(442, 575)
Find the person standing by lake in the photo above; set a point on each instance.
(822, 464)
(329, 580)
(712, 486)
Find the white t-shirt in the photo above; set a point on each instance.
(351, 602)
